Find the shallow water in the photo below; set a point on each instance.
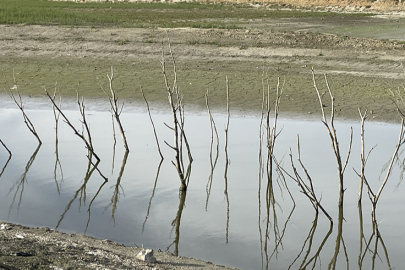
(141, 199)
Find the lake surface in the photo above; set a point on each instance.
(225, 215)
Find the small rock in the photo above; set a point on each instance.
(22, 254)
(5, 227)
(146, 255)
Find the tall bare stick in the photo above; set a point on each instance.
(153, 125)
(227, 119)
(363, 157)
(115, 142)
(261, 173)
(213, 163)
(114, 108)
(56, 116)
(226, 157)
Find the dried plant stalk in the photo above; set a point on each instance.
(213, 163)
(88, 141)
(153, 125)
(114, 108)
(227, 120)
(178, 124)
(307, 190)
(374, 197)
(27, 121)
(227, 158)
(333, 136)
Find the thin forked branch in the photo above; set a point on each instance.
(87, 142)
(333, 136)
(178, 123)
(114, 108)
(20, 105)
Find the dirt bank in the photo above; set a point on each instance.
(42, 248)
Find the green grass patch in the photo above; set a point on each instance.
(123, 14)
(203, 42)
(121, 41)
(81, 39)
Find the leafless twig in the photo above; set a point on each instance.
(333, 136)
(114, 108)
(87, 141)
(153, 125)
(178, 123)
(20, 105)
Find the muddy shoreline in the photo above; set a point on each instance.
(22, 247)
(362, 72)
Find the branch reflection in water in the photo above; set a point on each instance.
(153, 194)
(20, 183)
(160, 163)
(306, 251)
(213, 164)
(56, 115)
(271, 203)
(369, 249)
(82, 190)
(227, 161)
(9, 157)
(117, 188)
(339, 240)
(309, 241)
(176, 222)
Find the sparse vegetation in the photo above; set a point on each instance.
(123, 14)
(121, 41)
(79, 39)
(199, 42)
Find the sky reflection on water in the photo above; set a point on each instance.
(224, 231)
